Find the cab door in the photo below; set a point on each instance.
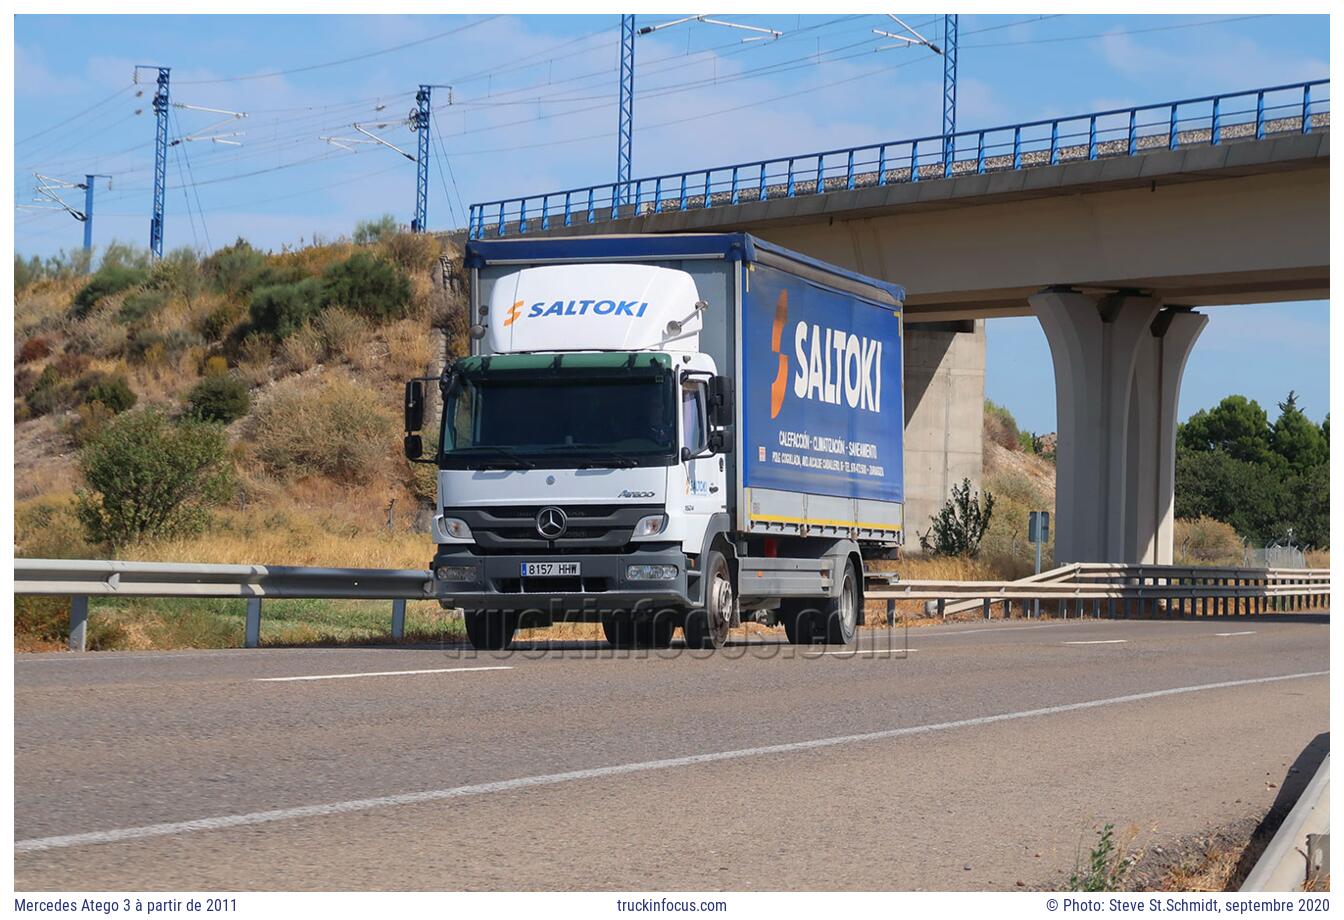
(704, 475)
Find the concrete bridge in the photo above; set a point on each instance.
(1109, 227)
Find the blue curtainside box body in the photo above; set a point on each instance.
(817, 355)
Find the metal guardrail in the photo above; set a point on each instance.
(1254, 114)
(1158, 588)
(1298, 856)
(1126, 590)
(81, 579)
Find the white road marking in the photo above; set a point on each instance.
(1248, 632)
(37, 844)
(1097, 642)
(987, 630)
(276, 680)
(871, 651)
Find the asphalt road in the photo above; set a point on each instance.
(981, 759)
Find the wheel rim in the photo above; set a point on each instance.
(721, 616)
(848, 608)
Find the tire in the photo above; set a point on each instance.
(657, 631)
(841, 613)
(490, 631)
(799, 616)
(707, 625)
(625, 631)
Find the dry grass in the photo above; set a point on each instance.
(254, 359)
(302, 349)
(411, 349)
(345, 335)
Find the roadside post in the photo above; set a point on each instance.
(1038, 532)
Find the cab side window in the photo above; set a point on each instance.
(693, 416)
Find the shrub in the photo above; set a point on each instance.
(220, 320)
(344, 335)
(71, 364)
(219, 399)
(35, 349)
(149, 347)
(233, 270)
(111, 390)
(370, 286)
(215, 366)
(280, 309)
(339, 429)
(254, 358)
(147, 477)
(108, 280)
(179, 272)
(140, 306)
(414, 252)
(90, 419)
(50, 393)
(1204, 541)
(961, 524)
(302, 349)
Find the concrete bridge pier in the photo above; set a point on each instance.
(1118, 361)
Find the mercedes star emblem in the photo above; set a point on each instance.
(551, 523)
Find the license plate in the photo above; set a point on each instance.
(550, 569)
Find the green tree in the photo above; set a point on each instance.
(1296, 439)
(147, 477)
(371, 231)
(1237, 425)
(961, 524)
(368, 285)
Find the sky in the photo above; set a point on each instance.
(533, 108)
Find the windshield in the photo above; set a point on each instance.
(561, 420)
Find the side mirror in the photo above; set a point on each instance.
(413, 447)
(720, 400)
(415, 407)
(721, 441)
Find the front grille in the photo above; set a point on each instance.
(513, 528)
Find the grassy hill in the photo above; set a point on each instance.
(311, 346)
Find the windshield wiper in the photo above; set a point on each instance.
(514, 461)
(608, 458)
(616, 461)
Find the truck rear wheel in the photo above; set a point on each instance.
(490, 631)
(626, 631)
(841, 612)
(799, 616)
(707, 626)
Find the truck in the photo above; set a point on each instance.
(665, 432)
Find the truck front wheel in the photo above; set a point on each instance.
(490, 631)
(707, 625)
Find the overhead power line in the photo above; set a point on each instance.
(338, 63)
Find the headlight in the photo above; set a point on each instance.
(455, 529)
(649, 526)
(457, 573)
(650, 572)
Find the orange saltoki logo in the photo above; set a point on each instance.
(781, 383)
(513, 313)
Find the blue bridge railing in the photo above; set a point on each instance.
(1297, 108)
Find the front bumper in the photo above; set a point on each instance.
(601, 588)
